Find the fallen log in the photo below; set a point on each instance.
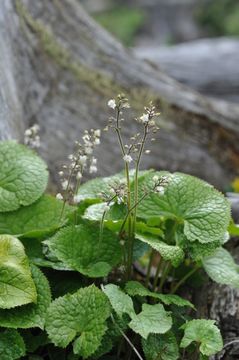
(209, 66)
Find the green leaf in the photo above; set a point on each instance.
(142, 228)
(134, 288)
(198, 251)
(81, 317)
(221, 268)
(172, 253)
(16, 284)
(203, 332)
(11, 345)
(23, 177)
(80, 248)
(163, 346)
(30, 315)
(233, 228)
(36, 220)
(153, 319)
(204, 211)
(121, 302)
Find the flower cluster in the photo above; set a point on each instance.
(80, 161)
(31, 137)
(133, 151)
(160, 183)
(117, 193)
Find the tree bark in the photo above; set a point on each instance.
(58, 68)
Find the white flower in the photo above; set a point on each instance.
(125, 105)
(97, 141)
(28, 132)
(144, 118)
(147, 151)
(112, 103)
(78, 175)
(93, 161)
(59, 196)
(92, 169)
(88, 150)
(127, 158)
(97, 133)
(155, 178)
(64, 184)
(61, 173)
(35, 128)
(160, 190)
(76, 199)
(82, 159)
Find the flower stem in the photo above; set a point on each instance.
(165, 273)
(151, 258)
(182, 281)
(156, 277)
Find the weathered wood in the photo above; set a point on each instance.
(61, 67)
(209, 66)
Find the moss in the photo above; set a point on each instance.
(122, 21)
(99, 82)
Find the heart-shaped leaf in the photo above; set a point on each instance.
(204, 212)
(16, 284)
(80, 317)
(81, 248)
(23, 177)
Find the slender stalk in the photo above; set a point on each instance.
(120, 140)
(67, 188)
(131, 209)
(156, 277)
(132, 235)
(127, 339)
(103, 217)
(182, 281)
(164, 275)
(137, 173)
(151, 258)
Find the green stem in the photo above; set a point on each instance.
(160, 263)
(67, 188)
(134, 215)
(129, 240)
(151, 258)
(166, 270)
(182, 281)
(127, 339)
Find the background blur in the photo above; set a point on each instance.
(165, 22)
(184, 37)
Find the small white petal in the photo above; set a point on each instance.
(112, 103)
(76, 199)
(93, 169)
(78, 175)
(155, 178)
(127, 158)
(59, 196)
(144, 118)
(97, 132)
(64, 184)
